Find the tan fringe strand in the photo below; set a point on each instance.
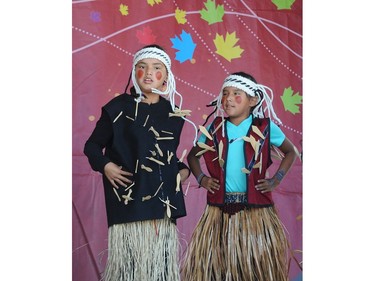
(145, 250)
(249, 245)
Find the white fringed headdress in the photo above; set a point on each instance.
(156, 53)
(252, 89)
(170, 91)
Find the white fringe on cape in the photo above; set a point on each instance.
(144, 250)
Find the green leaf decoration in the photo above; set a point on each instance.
(212, 13)
(283, 4)
(291, 100)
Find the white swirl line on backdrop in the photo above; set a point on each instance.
(266, 27)
(162, 17)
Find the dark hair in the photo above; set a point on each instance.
(152, 46)
(246, 75)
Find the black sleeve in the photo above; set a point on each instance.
(182, 165)
(99, 139)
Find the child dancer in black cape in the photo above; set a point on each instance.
(142, 174)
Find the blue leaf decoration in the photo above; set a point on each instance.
(185, 46)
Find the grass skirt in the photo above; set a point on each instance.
(249, 245)
(144, 250)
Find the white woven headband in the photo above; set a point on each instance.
(252, 89)
(242, 83)
(154, 53)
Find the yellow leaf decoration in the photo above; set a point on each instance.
(152, 2)
(226, 47)
(180, 16)
(124, 10)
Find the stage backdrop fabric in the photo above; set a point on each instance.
(206, 40)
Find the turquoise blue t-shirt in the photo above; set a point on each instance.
(235, 178)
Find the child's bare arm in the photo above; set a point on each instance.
(290, 154)
(211, 184)
(193, 161)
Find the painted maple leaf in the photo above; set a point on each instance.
(212, 13)
(283, 4)
(185, 45)
(152, 2)
(145, 36)
(123, 10)
(95, 16)
(291, 100)
(180, 16)
(226, 47)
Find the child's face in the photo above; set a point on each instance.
(236, 103)
(150, 73)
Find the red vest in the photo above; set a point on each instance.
(257, 171)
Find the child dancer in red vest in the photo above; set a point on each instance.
(239, 236)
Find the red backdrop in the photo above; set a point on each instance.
(206, 41)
